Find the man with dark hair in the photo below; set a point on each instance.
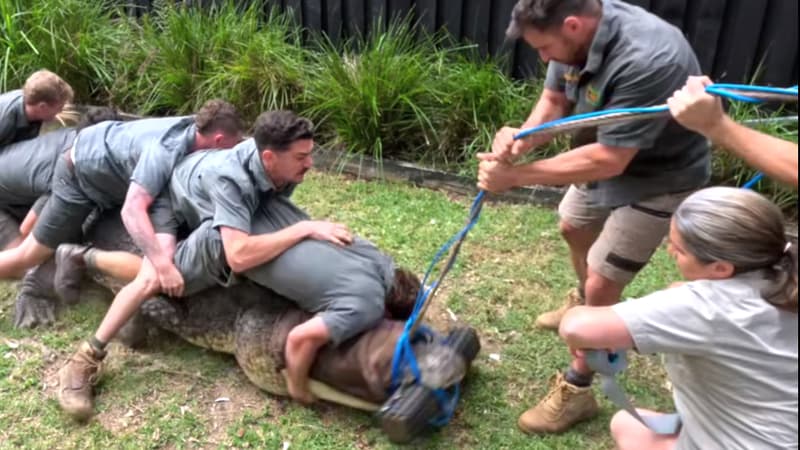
(26, 173)
(236, 204)
(22, 111)
(122, 163)
(626, 179)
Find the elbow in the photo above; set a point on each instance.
(573, 327)
(614, 168)
(236, 263)
(127, 213)
(234, 257)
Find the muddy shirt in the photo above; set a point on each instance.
(731, 358)
(14, 126)
(110, 155)
(26, 167)
(636, 59)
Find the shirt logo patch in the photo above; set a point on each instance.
(593, 96)
(571, 77)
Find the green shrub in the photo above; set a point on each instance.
(187, 55)
(77, 39)
(375, 101)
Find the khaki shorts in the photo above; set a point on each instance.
(629, 234)
(200, 258)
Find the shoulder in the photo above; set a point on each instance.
(11, 96)
(644, 43)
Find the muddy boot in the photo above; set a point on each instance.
(562, 407)
(552, 319)
(70, 267)
(76, 379)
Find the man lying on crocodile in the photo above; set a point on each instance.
(253, 323)
(243, 226)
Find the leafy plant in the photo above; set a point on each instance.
(375, 101)
(76, 39)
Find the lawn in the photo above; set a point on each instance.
(172, 395)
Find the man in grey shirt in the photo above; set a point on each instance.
(26, 173)
(122, 163)
(236, 204)
(22, 111)
(626, 179)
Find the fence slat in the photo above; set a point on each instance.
(399, 8)
(498, 44)
(673, 11)
(377, 11)
(426, 12)
(704, 28)
(312, 14)
(778, 46)
(736, 56)
(333, 20)
(476, 18)
(296, 6)
(449, 16)
(353, 14)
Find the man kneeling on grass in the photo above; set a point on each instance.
(237, 205)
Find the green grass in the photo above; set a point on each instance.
(513, 266)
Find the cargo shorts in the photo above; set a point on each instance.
(629, 234)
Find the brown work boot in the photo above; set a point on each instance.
(552, 319)
(76, 379)
(70, 267)
(562, 407)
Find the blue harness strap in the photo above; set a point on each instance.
(608, 365)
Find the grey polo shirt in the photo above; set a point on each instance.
(14, 125)
(224, 186)
(110, 155)
(731, 357)
(636, 59)
(26, 167)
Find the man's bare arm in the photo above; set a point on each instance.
(244, 251)
(699, 111)
(775, 157)
(138, 224)
(590, 162)
(550, 106)
(595, 328)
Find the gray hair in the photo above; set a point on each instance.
(745, 229)
(546, 14)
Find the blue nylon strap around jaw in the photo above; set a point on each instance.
(608, 365)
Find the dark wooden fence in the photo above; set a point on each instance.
(735, 40)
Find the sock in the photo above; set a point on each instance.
(89, 258)
(98, 345)
(578, 379)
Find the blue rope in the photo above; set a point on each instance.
(404, 359)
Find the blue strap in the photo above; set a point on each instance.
(608, 365)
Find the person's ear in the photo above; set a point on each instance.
(218, 139)
(571, 25)
(722, 269)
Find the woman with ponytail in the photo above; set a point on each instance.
(729, 333)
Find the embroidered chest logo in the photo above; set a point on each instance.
(571, 77)
(593, 96)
